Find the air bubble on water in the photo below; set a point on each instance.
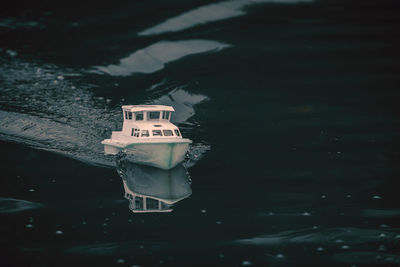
(55, 82)
(203, 211)
(141, 246)
(382, 235)
(11, 53)
(397, 236)
(345, 247)
(218, 222)
(271, 213)
(120, 261)
(84, 222)
(29, 225)
(384, 225)
(339, 241)
(315, 227)
(59, 232)
(306, 214)
(339, 152)
(323, 196)
(60, 77)
(246, 263)
(31, 190)
(320, 249)
(377, 197)
(73, 87)
(108, 100)
(348, 196)
(280, 256)
(104, 224)
(381, 248)
(106, 219)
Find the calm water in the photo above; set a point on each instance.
(292, 106)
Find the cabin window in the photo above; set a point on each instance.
(126, 115)
(168, 133)
(154, 115)
(135, 132)
(168, 115)
(145, 133)
(177, 133)
(139, 116)
(129, 115)
(157, 133)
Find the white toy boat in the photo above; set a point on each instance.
(148, 137)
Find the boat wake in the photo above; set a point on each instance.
(48, 108)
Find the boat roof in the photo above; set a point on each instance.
(136, 108)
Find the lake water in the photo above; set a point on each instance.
(292, 106)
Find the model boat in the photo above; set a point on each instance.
(148, 137)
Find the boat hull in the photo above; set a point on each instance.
(160, 155)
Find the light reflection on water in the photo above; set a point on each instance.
(12, 205)
(154, 57)
(150, 189)
(210, 13)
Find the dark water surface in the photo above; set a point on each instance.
(292, 106)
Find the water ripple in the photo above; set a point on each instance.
(154, 57)
(209, 13)
(12, 205)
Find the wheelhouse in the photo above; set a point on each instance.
(150, 121)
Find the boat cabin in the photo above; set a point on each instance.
(144, 121)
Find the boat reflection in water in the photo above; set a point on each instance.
(150, 189)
